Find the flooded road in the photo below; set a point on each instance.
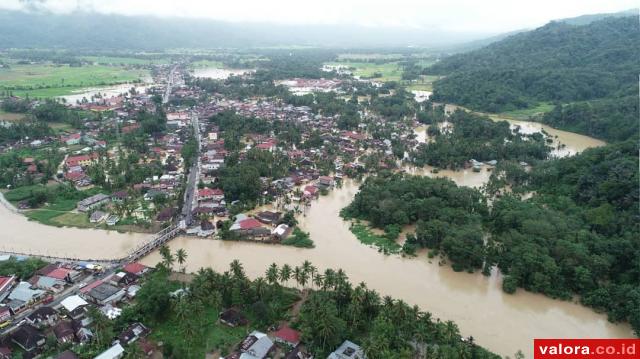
(503, 323)
(23, 236)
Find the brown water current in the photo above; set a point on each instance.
(501, 322)
(19, 235)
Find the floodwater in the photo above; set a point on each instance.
(106, 92)
(564, 143)
(501, 322)
(421, 96)
(217, 73)
(20, 235)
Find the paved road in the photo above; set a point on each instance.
(167, 92)
(189, 193)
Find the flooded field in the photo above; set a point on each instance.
(565, 143)
(217, 73)
(104, 92)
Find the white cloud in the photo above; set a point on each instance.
(453, 15)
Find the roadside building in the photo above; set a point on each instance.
(105, 293)
(92, 202)
(135, 268)
(42, 317)
(115, 352)
(28, 338)
(6, 283)
(64, 332)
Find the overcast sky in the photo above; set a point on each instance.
(487, 16)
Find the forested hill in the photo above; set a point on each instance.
(558, 63)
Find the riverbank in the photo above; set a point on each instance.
(23, 236)
(501, 322)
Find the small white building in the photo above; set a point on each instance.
(115, 352)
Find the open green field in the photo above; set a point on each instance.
(424, 83)
(525, 114)
(116, 60)
(51, 80)
(390, 71)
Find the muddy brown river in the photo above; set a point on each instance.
(19, 235)
(501, 322)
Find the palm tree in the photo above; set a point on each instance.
(167, 257)
(236, 269)
(181, 256)
(306, 266)
(451, 332)
(272, 274)
(285, 273)
(318, 280)
(304, 278)
(260, 286)
(297, 274)
(329, 279)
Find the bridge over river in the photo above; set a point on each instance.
(135, 254)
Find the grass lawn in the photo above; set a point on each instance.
(43, 80)
(366, 236)
(45, 216)
(525, 114)
(70, 219)
(22, 193)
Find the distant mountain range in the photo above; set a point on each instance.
(92, 31)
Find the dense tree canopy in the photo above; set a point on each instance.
(448, 217)
(476, 137)
(588, 71)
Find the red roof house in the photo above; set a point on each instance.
(59, 273)
(135, 268)
(249, 223)
(288, 336)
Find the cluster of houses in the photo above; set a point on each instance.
(283, 342)
(45, 306)
(303, 86)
